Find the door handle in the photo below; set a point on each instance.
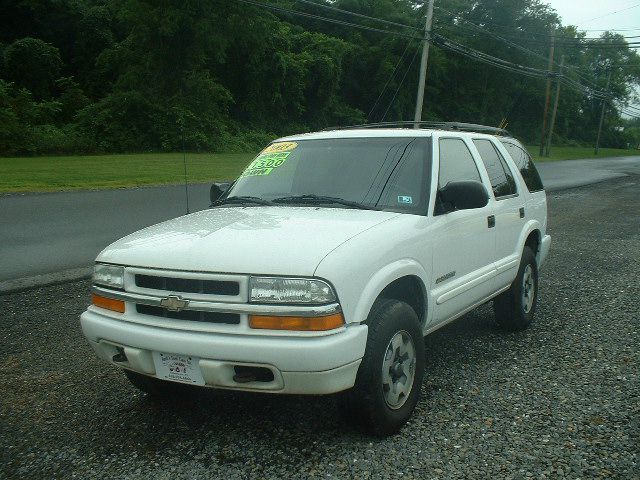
(521, 212)
(491, 221)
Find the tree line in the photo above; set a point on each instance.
(83, 76)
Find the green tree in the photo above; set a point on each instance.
(33, 64)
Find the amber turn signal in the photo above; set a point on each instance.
(107, 303)
(307, 324)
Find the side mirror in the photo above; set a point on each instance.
(462, 196)
(217, 190)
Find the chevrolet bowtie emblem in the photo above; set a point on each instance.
(174, 303)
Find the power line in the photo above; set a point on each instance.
(326, 19)
(446, 43)
(401, 82)
(569, 42)
(393, 74)
(482, 57)
(614, 41)
(596, 42)
(610, 30)
(517, 30)
(632, 115)
(361, 15)
(516, 68)
(514, 45)
(546, 35)
(592, 38)
(520, 30)
(475, 27)
(610, 13)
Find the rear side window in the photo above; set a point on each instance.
(456, 162)
(502, 181)
(525, 165)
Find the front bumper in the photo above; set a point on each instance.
(302, 365)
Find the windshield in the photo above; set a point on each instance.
(387, 173)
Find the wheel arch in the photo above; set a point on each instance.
(533, 240)
(531, 237)
(404, 280)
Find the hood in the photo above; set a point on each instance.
(275, 240)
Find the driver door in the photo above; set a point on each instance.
(464, 240)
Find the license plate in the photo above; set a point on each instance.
(178, 368)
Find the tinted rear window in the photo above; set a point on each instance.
(523, 161)
(502, 181)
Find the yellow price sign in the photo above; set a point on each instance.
(280, 147)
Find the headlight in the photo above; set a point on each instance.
(108, 275)
(290, 290)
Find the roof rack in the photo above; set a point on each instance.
(452, 126)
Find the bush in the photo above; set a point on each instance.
(49, 139)
(247, 141)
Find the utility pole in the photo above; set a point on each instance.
(555, 107)
(423, 64)
(604, 105)
(548, 95)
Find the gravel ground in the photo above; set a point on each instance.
(559, 400)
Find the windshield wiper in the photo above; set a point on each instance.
(322, 200)
(242, 199)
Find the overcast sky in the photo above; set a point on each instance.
(583, 13)
(600, 14)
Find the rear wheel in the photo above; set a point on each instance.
(387, 387)
(515, 308)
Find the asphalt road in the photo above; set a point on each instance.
(50, 232)
(46, 233)
(559, 400)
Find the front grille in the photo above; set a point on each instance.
(188, 285)
(193, 315)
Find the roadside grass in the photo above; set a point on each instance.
(576, 153)
(85, 172)
(42, 174)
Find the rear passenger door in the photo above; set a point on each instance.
(509, 210)
(463, 240)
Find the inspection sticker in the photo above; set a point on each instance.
(406, 199)
(265, 163)
(280, 147)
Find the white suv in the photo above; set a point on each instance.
(320, 269)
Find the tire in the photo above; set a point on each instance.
(515, 308)
(156, 388)
(382, 402)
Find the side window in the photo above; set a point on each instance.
(502, 181)
(456, 162)
(405, 190)
(524, 163)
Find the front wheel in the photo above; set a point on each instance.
(514, 309)
(387, 387)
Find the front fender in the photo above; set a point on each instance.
(362, 267)
(388, 274)
(359, 289)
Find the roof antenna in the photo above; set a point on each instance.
(184, 162)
